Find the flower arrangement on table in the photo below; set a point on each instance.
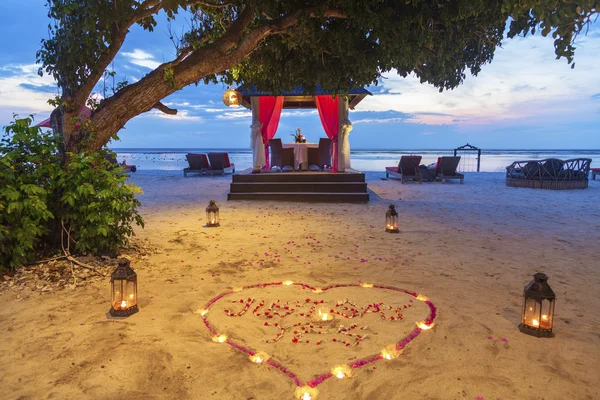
(298, 136)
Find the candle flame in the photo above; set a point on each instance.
(201, 311)
(123, 304)
(237, 289)
(367, 285)
(318, 290)
(341, 371)
(535, 322)
(544, 317)
(259, 357)
(306, 393)
(424, 326)
(422, 298)
(219, 338)
(324, 318)
(390, 352)
(288, 283)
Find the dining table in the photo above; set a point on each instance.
(300, 153)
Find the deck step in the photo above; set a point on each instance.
(287, 187)
(298, 177)
(317, 197)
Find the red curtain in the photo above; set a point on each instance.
(328, 111)
(269, 114)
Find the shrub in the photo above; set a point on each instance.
(86, 198)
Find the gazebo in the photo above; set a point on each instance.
(341, 183)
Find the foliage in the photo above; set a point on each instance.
(40, 194)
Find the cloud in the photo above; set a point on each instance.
(23, 91)
(595, 96)
(182, 115)
(523, 82)
(378, 121)
(141, 58)
(235, 115)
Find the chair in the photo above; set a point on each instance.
(446, 169)
(314, 161)
(288, 159)
(275, 149)
(408, 168)
(219, 163)
(198, 164)
(324, 152)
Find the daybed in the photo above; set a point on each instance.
(550, 173)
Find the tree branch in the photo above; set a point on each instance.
(161, 107)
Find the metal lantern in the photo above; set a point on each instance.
(391, 220)
(538, 307)
(232, 98)
(212, 214)
(124, 290)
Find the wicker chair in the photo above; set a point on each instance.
(550, 173)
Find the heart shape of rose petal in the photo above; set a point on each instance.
(293, 322)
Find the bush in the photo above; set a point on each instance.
(85, 199)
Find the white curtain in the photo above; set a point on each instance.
(258, 149)
(345, 144)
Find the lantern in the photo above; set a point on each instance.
(538, 307)
(124, 290)
(212, 214)
(391, 220)
(232, 98)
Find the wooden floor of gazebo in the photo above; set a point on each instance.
(302, 186)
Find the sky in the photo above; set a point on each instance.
(524, 99)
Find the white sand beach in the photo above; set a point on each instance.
(469, 248)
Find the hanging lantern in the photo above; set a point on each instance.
(391, 220)
(232, 98)
(124, 290)
(212, 214)
(538, 307)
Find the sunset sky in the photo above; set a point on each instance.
(525, 99)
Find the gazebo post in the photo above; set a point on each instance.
(344, 128)
(256, 142)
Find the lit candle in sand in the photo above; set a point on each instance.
(259, 357)
(201, 311)
(323, 314)
(424, 326)
(390, 352)
(317, 290)
(367, 285)
(219, 338)
(288, 283)
(422, 298)
(306, 393)
(237, 289)
(341, 371)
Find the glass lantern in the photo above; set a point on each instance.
(124, 290)
(232, 98)
(391, 220)
(212, 214)
(538, 307)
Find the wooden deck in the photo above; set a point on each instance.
(304, 186)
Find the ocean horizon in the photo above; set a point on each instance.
(368, 160)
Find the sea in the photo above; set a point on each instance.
(366, 160)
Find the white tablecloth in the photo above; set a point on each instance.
(300, 151)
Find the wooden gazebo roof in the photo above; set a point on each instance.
(297, 98)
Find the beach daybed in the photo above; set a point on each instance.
(595, 171)
(550, 173)
(219, 163)
(446, 169)
(408, 168)
(198, 164)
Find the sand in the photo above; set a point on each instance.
(470, 248)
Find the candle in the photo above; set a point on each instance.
(259, 357)
(390, 352)
(535, 323)
(341, 371)
(288, 283)
(422, 298)
(544, 318)
(123, 304)
(424, 326)
(306, 393)
(219, 338)
(366, 285)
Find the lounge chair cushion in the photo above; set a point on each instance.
(392, 169)
(227, 163)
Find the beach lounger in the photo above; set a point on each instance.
(446, 169)
(113, 159)
(198, 164)
(219, 163)
(408, 168)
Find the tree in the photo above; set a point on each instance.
(278, 44)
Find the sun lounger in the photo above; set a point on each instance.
(219, 163)
(446, 169)
(198, 164)
(408, 168)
